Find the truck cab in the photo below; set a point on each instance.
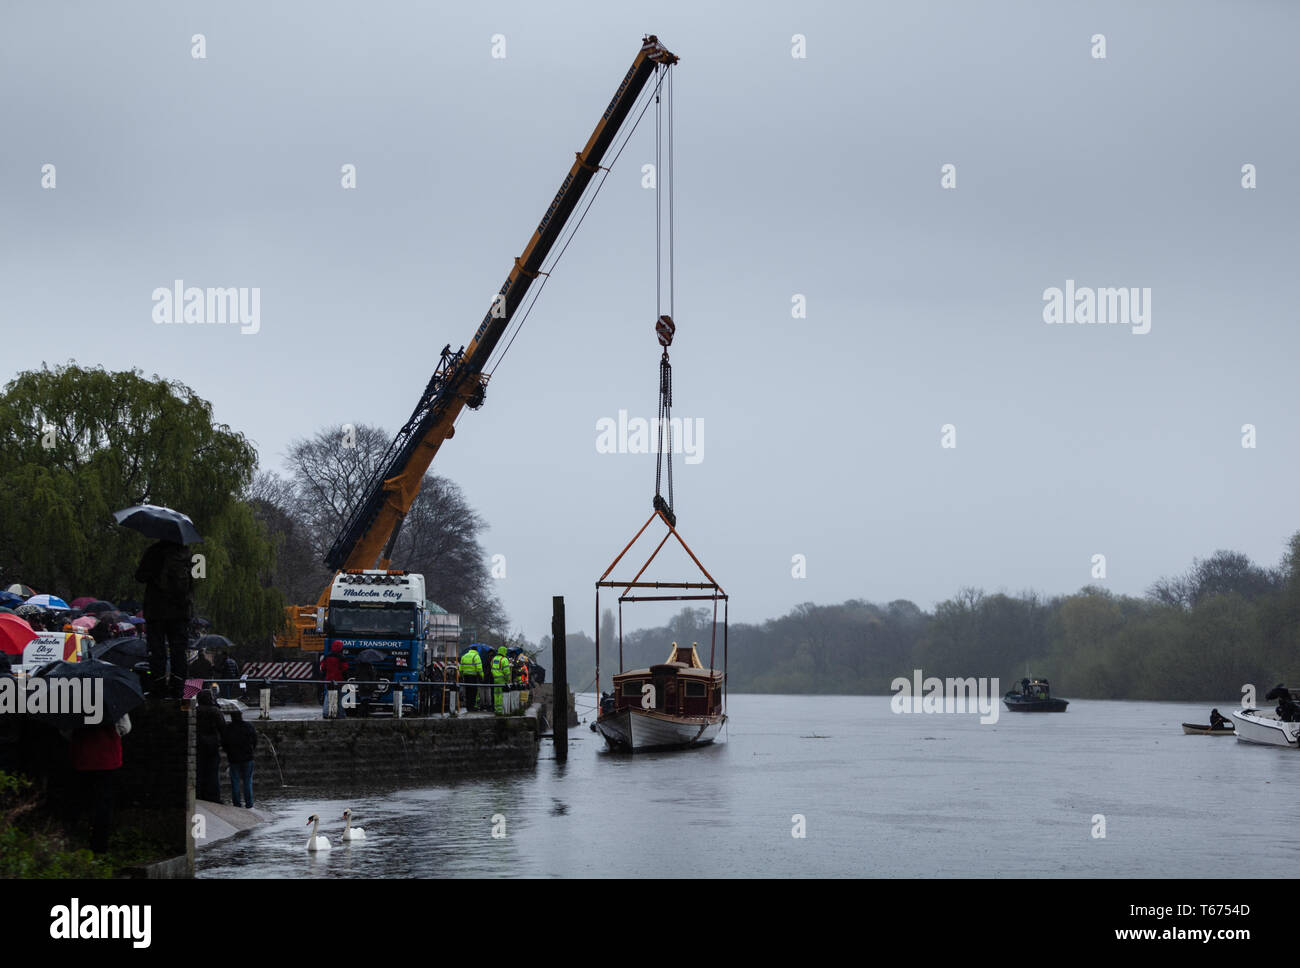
(383, 611)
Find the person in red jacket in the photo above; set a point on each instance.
(334, 668)
(96, 757)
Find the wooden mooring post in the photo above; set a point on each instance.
(560, 681)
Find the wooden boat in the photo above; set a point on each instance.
(680, 703)
(674, 705)
(1195, 729)
(677, 704)
(1035, 696)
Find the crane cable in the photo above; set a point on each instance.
(664, 325)
(571, 232)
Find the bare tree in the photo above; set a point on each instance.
(439, 537)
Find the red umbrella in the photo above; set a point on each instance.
(83, 601)
(15, 633)
(86, 622)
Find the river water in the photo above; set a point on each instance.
(880, 794)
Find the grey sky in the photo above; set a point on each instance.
(818, 176)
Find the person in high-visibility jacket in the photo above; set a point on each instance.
(471, 674)
(500, 676)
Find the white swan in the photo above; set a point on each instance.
(317, 841)
(350, 832)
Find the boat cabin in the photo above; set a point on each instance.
(681, 686)
(1035, 689)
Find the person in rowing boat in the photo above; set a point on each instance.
(1217, 721)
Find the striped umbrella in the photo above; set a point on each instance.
(49, 601)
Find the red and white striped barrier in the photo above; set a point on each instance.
(280, 670)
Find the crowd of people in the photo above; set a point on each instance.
(166, 623)
(502, 667)
(507, 668)
(239, 741)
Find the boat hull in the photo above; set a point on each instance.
(1035, 705)
(1265, 729)
(1194, 729)
(637, 731)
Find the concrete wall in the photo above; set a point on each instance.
(348, 755)
(155, 787)
(153, 791)
(545, 695)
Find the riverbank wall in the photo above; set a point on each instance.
(343, 756)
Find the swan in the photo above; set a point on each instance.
(317, 841)
(350, 832)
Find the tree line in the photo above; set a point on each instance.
(1200, 635)
(80, 443)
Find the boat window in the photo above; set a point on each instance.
(696, 690)
(632, 688)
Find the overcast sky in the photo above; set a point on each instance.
(819, 176)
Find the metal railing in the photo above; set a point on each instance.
(374, 694)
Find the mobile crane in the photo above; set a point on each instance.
(360, 554)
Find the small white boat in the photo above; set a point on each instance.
(1265, 729)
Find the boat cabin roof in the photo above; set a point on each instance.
(677, 668)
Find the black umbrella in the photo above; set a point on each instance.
(94, 608)
(211, 642)
(130, 605)
(162, 523)
(121, 692)
(125, 651)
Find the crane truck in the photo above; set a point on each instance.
(367, 605)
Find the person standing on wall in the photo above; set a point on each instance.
(168, 606)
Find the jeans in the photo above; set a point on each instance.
(241, 777)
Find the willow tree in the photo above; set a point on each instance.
(80, 443)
